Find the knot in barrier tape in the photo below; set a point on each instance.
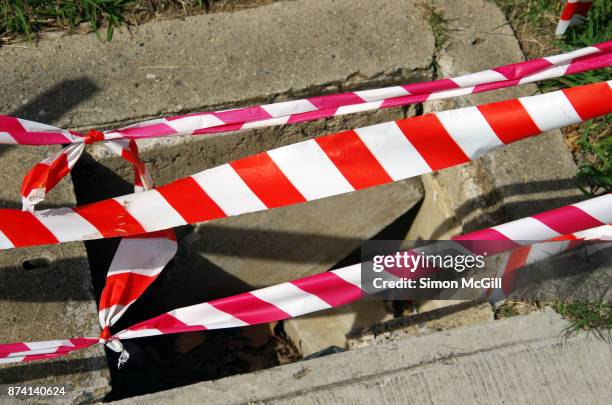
(93, 136)
(105, 335)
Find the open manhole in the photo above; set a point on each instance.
(163, 362)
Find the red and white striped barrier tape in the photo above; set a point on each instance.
(138, 259)
(137, 263)
(30, 351)
(317, 292)
(526, 255)
(339, 287)
(24, 132)
(130, 274)
(574, 13)
(43, 177)
(305, 171)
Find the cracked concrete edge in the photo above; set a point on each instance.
(512, 334)
(519, 180)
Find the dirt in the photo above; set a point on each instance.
(147, 10)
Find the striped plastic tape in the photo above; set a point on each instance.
(526, 255)
(45, 175)
(574, 13)
(19, 131)
(310, 170)
(322, 291)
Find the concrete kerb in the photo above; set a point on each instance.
(512, 364)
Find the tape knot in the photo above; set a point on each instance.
(105, 335)
(93, 136)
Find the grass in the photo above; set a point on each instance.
(24, 19)
(595, 318)
(438, 26)
(594, 143)
(534, 23)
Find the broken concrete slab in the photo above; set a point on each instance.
(519, 180)
(261, 248)
(296, 241)
(318, 331)
(404, 370)
(304, 48)
(281, 50)
(46, 293)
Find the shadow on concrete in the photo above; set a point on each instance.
(53, 103)
(35, 371)
(528, 207)
(38, 285)
(45, 284)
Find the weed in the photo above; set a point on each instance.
(534, 23)
(24, 18)
(438, 26)
(29, 16)
(595, 173)
(594, 317)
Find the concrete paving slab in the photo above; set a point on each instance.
(222, 59)
(313, 333)
(46, 294)
(517, 360)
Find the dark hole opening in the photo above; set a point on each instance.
(36, 263)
